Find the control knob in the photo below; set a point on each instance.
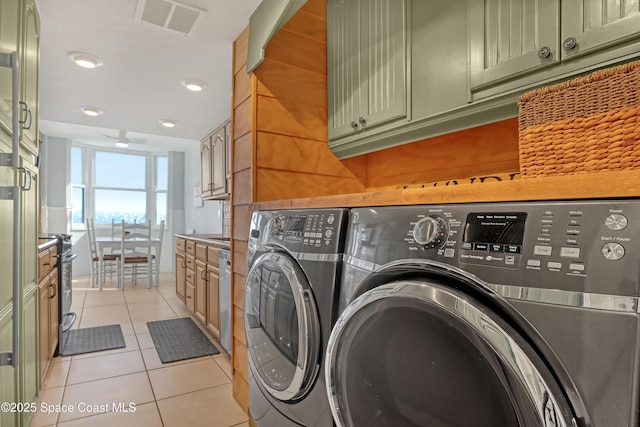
(430, 231)
(275, 226)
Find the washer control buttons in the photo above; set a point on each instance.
(613, 251)
(542, 250)
(567, 252)
(616, 222)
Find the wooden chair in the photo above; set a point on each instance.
(136, 252)
(110, 262)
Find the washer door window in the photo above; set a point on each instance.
(422, 354)
(282, 326)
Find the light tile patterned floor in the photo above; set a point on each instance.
(195, 392)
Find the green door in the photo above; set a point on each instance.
(591, 25)
(508, 39)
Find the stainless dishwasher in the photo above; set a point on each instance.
(224, 262)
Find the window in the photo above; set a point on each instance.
(111, 185)
(78, 186)
(120, 188)
(161, 181)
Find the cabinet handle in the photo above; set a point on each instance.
(184, 264)
(189, 297)
(55, 290)
(544, 52)
(354, 125)
(203, 275)
(569, 43)
(28, 117)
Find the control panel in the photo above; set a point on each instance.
(569, 238)
(315, 229)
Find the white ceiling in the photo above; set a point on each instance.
(139, 82)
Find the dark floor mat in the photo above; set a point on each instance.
(89, 340)
(180, 339)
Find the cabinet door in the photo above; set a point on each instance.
(218, 163)
(367, 64)
(53, 312)
(9, 29)
(30, 77)
(205, 167)
(43, 325)
(181, 277)
(201, 291)
(510, 38)
(8, 374)
(597, 24)
(228, 143)
(213, 314)
(343, 66)
(383, 61)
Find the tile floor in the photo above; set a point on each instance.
(195, 392)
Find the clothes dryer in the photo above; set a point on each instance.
(294, 266)
(502, 314)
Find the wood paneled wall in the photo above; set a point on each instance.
(280, 147)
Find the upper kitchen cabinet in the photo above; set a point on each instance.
(509, 38)
(367, 64)
(9, 39)
(20, 32)
(29, 91)
(518, 44)
(214, 164)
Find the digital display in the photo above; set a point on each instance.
(495, 231)
(295, 224)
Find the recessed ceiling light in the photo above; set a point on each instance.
(84, 60)
(194, 85)
(122, 144)
(168, 123)
(91, 111)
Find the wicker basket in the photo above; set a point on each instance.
(589, 124)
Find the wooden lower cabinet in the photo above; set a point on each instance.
(48, 320)
(201, 291)
(198, 282)
(181, 275)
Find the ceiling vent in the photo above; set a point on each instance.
(170, 15)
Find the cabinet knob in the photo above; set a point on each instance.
(569, 43)
(544, 52)
(354, 125)
(362, 121)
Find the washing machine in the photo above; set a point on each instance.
(497, 314)
(294, 267)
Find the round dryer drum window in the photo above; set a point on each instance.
(282, 326)
(422, 354)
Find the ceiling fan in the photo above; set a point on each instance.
(123, 141)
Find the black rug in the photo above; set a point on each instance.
(180, 339)
(89, 340)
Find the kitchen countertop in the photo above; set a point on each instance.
(210, 239)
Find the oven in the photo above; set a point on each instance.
(64, 264)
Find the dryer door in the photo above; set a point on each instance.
(417, 353)
(282, 326)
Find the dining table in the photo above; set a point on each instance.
(114, 242)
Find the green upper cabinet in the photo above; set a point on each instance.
(520, 44)
(9, 31)
(511, 38)
(30, 77)
(590, 25)
(367, 64)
